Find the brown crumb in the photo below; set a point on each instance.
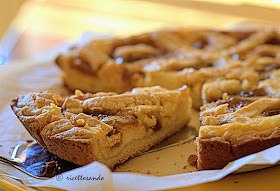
(157, 158)
(185, 167)
(1, 145)
(137, 170)
(192, 159)
(29, 141)
(174, 163)
(149, 172)
(182, 156)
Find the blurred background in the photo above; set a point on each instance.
(28, 27)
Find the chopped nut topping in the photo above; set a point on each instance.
(80, 121)
(57, 96)
(86, 126)
(53, 105)
(225, 96)
(78, 93)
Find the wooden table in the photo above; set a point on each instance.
(40, 25)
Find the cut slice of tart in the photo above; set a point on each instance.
(235, 127)
(104, 127)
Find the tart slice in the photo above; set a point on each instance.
(104, 127)
(235, 127)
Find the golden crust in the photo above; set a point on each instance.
(235, 127)
(104, 127)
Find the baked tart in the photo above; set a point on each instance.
(170, 58)
(104, 127)
(233, 74)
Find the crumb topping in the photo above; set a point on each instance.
(108, 115)
(260, 115)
